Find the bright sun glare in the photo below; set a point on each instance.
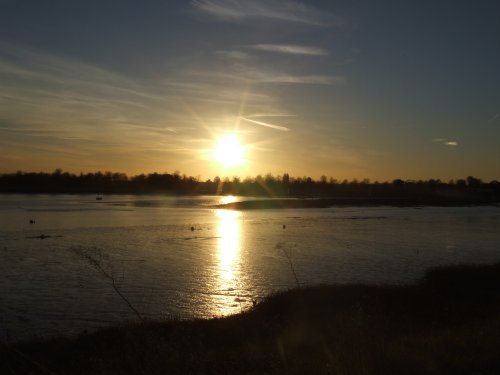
(229, 152)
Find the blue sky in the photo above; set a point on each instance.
(349, 89)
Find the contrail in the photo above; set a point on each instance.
(277, 127)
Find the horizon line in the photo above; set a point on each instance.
(329, 179)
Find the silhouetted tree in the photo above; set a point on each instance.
(473, 182)
(471, 189)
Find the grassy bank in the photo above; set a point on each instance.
(449, 323)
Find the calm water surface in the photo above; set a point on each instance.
(146, 243)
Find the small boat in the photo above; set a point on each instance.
(98, 198)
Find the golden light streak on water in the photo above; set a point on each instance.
(228, 256)
(228, 199)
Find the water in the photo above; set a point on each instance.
(145, 243)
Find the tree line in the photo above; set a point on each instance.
(267, 185)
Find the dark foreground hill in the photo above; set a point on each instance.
(449, 323)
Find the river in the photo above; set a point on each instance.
(179, 257)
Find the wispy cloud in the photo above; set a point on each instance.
(256, 115)
(266, 124)
(260, 75)
(241, 10)
(291, 49)
(234, 54)
(55, 108)
(302, 79)
(445, 142)
(62, 104)
(43, 91)
(60, 110)
(494, 118)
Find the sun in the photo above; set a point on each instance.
(229, 151)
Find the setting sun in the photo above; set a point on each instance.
(228, 151)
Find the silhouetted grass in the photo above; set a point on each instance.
(449, 323)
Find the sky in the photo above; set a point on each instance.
(348, 89)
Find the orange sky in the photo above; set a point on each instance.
(377, 91)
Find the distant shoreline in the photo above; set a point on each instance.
(468, 191)
(298, 202)
(262, 204)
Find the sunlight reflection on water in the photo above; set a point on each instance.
(228, 199)
(228, 254)
(178, 256)
(228, 246)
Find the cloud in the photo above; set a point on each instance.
(42, 91)
(55, 104)
(299, 79)
(291, 49)
(495, 117)
(266, 124)
(55, 133)
(234, 54)
(445, 142)
(241, 10)
(56, 108)
(257, 75)
(269, 115)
